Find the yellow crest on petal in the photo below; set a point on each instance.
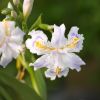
(74, 42)
(58, 70)
(6, 26)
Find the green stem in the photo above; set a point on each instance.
(24, 26)
(31, 73)
(14, 7)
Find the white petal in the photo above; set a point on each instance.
(72, 61)
(8, 26)
(17, 36)
(58, 38)
(11, 25)
(2, 30)
(64, 72)
(72, 35)
(73, 32)
(16, 49)
(50, 74)
(30, 45)
(43, 61)
(36, 36)
(6, 57)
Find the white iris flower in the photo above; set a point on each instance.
(11, 39)
(57, 55)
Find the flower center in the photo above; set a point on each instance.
(44, 47)
(58, 70)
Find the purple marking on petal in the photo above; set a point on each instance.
(39, 37)
(74, 35)
(52, 71)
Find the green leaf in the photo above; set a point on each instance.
(12, 89)
(37, 23)
(6, 11)
(38, 82)
(36, 77)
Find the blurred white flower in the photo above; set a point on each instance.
(57, 55)
(27, 7)
(16, 2)
(11, 39)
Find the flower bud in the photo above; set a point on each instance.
(16, 2)
(9, 5)
(27, 7)
(13, 14)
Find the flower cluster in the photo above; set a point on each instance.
(11, 39)
(57, 54)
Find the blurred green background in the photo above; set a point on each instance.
(85, 14)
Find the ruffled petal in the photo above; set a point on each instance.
(17, 36)
(75, 40)
(37, 43)
(30, 45)
(6, 57)
(50, 74)
(72, 61)
(58, 39)
(15, 48)
(38, 35)
(54, 72)
(64, 72)
(43, 61)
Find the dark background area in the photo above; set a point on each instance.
(85, 14)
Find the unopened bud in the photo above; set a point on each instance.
(14, 14)
(46, 26)
(27, 7)
(10, 6)
(16, 2)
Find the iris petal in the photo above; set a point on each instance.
(50, 74)
(72, 61)
(58, 39)
(75, 40)
(36, 44)
(6, 57)
(43, 61)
